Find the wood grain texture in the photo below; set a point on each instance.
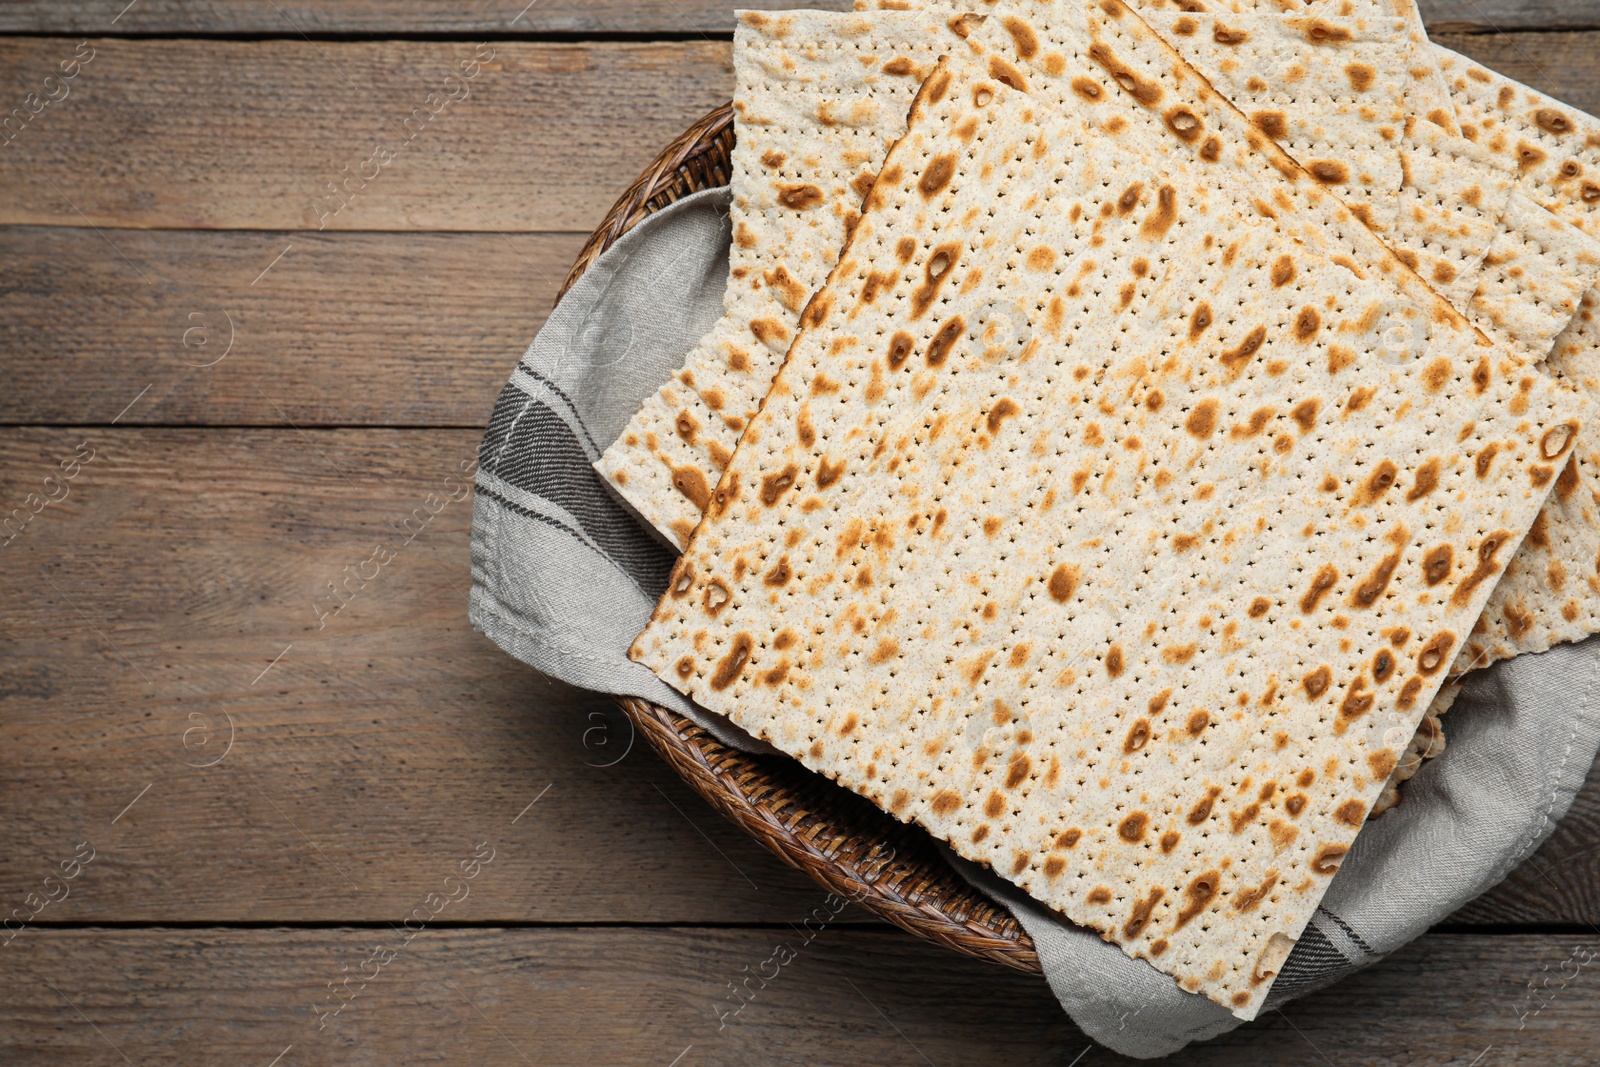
(197, 134)
(182, 583)
(249, 135)
(662, 996)
(574, 16)
(345, 329)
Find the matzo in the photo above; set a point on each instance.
(1551, 592)
(820, 97)
(1456, 202)
(1088, 523)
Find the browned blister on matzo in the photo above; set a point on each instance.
(820, 97)
(1097, 521)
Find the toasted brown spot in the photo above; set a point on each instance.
(1143, 89)
(1197, 895)
(1275, 124)
(773, 485)
(1356, 702)
(937, 175)
(1317, 682)
(1099, 895)
(1132, 828)
(1377, 483)
(1427, 480)
(1325, 578)
(1223, 35)
(1321, 32)
(1383, 665)
(1139, 918)
(1114, 661)
(1160, 220)
(1063, 582)
(1022, 35)
(1054, 866)
(1487, 566)
(1248, 899)
(1328, 858)
(1435, 653)
(1328, 171)
(1295, 804)
(941, 260)
(1199, 320)
(1283, 272)
(780, 573)
(1017, 770)
(1408, 694)
(904, 249)
(827, 473)
(943, 341)
(1138, 736)
(1480, 376)
(1307, 323)
(1371, 588)
(1202, 809)
(1087, 88)
(1184, 123)
(1259, 607)
(1485, 459)
(1361, 76)
(1235, 358)
(900, 347)
(1567, 480)
(899, 66)
(731, 664)
(1211, 151)
(1196, 723)
(692, 484)
(799, 197)
(1003, 409)
(1529, 156)
(1006, 74)
(946, 801)
(1556, 439)
(1202, 421)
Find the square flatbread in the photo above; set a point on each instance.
(820, 96)
(1551, 592)
(1095, 521)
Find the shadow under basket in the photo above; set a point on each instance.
(842, 841)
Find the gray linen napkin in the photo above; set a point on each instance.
(564, 577)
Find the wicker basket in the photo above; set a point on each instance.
(843, 842)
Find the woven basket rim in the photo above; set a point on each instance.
(851, 848)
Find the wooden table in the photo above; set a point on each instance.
(309, 816)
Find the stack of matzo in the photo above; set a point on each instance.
(1119, 506)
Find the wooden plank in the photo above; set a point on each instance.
(181, 583)
(344, 329)
(1561, 64)
(667, 996)
(249, 135)
(1499, 16)
(262, 134)
(575, 17)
